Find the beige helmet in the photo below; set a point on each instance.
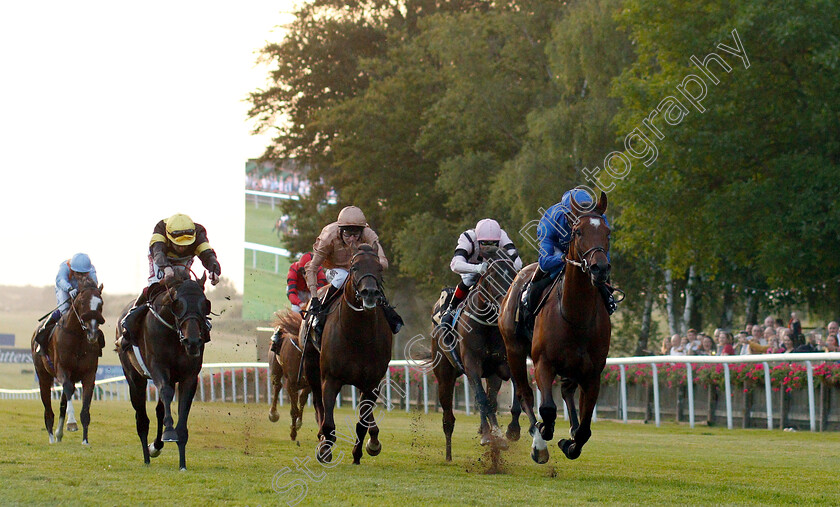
(351, 216)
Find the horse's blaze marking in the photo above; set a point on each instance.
(595, 222)
(94, 303)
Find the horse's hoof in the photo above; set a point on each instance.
(373, 448)
(170, 435)
(273, 416)
(85, 442)
(485, 439)
(299, 424)
(569, 448)
(324, 452)
(293, 435)
(512, 434)
(72, 427)
(540, 457)
(153, 451)
(183, 469)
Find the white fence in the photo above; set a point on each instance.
(277, 252)
(268, 198)
(241, 387)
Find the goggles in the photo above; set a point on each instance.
(488, 242)
(351, 231)
(184, 232)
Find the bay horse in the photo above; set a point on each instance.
(571, 335)
(479, 341)
(169, 351)
(283, 368)
(72, 355)
(355, 349)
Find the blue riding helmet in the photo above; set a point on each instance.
(80, 263)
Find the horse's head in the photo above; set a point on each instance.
(366, 277)
(88, 308)
(590, 239)
(496, 281)
(190, 307)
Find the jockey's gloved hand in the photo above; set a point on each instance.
(214, 278)
(73, 293)
(168, 272)
(481, 268)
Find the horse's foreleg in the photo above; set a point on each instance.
(67, 390)
(276, 385)
(513, 429)
(137, 392)
(373, 446)
(88, 384)
(589, 390)
(473, 373)
(71, 417)
(303, 395)
(294, 411)
(313, 375)
(186, 393)
(568, 390)
(45, 382)
(445, 374)
(156, 446)
(167, 394)
(494, 383)
(329, 390)
(544, 373)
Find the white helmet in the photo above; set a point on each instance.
(488, 229)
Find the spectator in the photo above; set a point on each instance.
(743, 347)
(758, 335)
(795, 326)
(775, 346)
(787, 344)
(831, 344)
(693, 342)
(677, 349)
(832, 330)
(769, 334)
(666, 346)
(707, 347)
(810, 345)
(769, 321)
(726, 339)
(748, 329)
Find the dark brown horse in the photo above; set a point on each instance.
(355, 350)
(169, 351)
(571, 336)
(72, 356)
(476, 334)
(283, 368)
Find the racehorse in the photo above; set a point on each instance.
(72, 355)
(476, 334)
(283, 368)
(355, 349)
(571, 335)
(169, 350)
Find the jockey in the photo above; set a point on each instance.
(175, 242)
(70, 273)
(334, 249)
(555, 234)
(474, 246)
(298, 297)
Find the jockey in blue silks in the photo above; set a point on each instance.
(554, 234)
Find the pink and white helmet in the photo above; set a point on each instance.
(488, 229)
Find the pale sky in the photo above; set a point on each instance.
(114, 115)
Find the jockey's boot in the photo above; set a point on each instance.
(129, 322)
(42, 336)
(393, 318)
(607, 293)
(531, 296)
(318, 307)
(276, 340)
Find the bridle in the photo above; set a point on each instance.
(584, 260)
(180, 318)
(356, 281)
(76, 312)
(495, 315)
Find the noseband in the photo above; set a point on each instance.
(179, 320)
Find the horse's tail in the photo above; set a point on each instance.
(289, 322)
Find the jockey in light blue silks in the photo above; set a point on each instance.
(554, 234)
(70, 272)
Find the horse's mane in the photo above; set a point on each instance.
(87, 283)
(289, 321)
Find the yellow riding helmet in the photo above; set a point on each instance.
(180, 229)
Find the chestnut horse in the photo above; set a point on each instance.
(72, 355)
(169, 351)
(476, 334)
(355, 350)
(283, 368)
(571, 336)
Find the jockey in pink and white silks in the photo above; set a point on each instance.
(470, 262)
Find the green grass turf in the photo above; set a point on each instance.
(264, 293)
(234, 454)
(259, 223)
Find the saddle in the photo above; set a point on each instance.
(525, 316)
